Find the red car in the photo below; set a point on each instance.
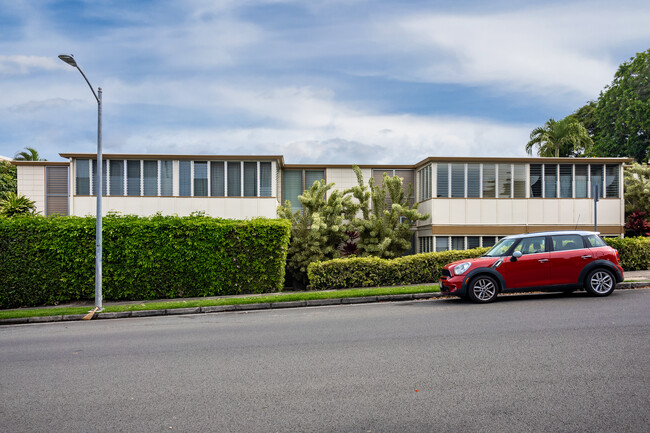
(562, 261)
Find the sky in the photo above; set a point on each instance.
(317, 81)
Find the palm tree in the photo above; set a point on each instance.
(567, 137)
(29, 154)
(14, 205)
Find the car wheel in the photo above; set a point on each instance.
(600, 282)
(482, 289)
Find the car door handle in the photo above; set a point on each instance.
(543, 260)
(586, 257)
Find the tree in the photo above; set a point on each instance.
(567, 137)
(8, 179)
(13, 205)
(637, 188)
(622, 116)
(29, 154)
(384, 228)
(318, 229)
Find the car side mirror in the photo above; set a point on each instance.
(515, 256)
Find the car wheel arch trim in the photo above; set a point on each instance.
(599, 264)
(501, 283)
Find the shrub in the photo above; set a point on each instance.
(372, 271)
(634, 253)
(50, 260)
(13, 205)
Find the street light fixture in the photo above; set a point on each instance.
(69, 59)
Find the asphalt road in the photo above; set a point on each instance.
(527, 363)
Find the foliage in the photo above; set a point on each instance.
(45, 260)
(619, 122)
(15, 205)
(384, 227)
(373, 271)
(317, 230)
(567, 137)
(637, 188)
(8, 178)
(637, 225)
(634, 253)
(29, 154)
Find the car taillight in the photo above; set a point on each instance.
(617, 259)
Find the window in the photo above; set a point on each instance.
(612, 180)
(505, 180)
(132, 178)
(550, 180)
(265, 180)
(532, 245)
(166, 178)
(489, 181)
(407, 177)
(594, 241)
(200, 178)
(425, 244)
(56, 190)
(104, 177)
(234, 179)
(535, 180)
(597, 180)
(217, 179)
(489, 241)
(442, 243)
(566, 180)
(567, 242)
(82, 176)
(150, 178)
(442, 180)
(473, 180)
(250, 179)
(292, 188)
(519, 181)
(424, 179)
(312, 176)
(116, 180)
(457, 243)
(473, 242)
(185, 178)
(582, 180)
(458, 180)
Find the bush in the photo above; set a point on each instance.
(372, 271)
(634, 253)
(51, 260)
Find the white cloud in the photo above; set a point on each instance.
(22, 64)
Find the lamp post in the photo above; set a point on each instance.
(69, 59)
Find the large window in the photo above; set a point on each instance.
(250, 179)
(217, 179)
(458, 180)
(266, 184)
(132, 178)
(150, 178)
(185, 178)
(550, 180)
(424, 180)
(489, 181)
(536, 180)
(505, 180)
(104, 177)
(473, 180)
(234, 179)
(116, 180)
(442, 180)
(200, 178)
(166, 178)
(582, 181)
(519, 181)
(82, 177)
(566, 180)
(597, 179)
(295, 182)
(611, 187)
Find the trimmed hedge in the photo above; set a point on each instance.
(373, 272)
(51, 260)
(634, 253)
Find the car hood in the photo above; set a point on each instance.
(479, 262)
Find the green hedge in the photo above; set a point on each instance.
(634, 253)
(52, 260)
(372, 271)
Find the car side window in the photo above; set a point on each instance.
(594, 241)
(532, 245)
(567, 242)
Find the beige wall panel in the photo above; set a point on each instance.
(551, 210)
(425, 208)
(236, 208)
(473, 212)
(535, 210)
(489, 211)
(505, 211)
(458, 211)
(440, 212)
(31, 184)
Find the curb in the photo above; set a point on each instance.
(253, 307)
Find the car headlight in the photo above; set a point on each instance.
(460, 269)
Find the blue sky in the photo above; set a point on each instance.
(319, 81)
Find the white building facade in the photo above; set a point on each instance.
(471, 201)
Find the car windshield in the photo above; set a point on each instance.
(501, 247)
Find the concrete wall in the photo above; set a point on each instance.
(31, 183)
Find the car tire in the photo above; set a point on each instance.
(600, 282)
(483, 289)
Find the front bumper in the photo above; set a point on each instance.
(452, 285)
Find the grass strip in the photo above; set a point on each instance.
(257, 299)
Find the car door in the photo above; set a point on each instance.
(568, 258)
(532, 268)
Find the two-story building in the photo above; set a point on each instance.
(471, 201)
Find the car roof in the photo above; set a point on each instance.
(557, 232)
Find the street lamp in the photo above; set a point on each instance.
(69, 59)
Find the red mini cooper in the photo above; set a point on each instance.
(562, 261)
